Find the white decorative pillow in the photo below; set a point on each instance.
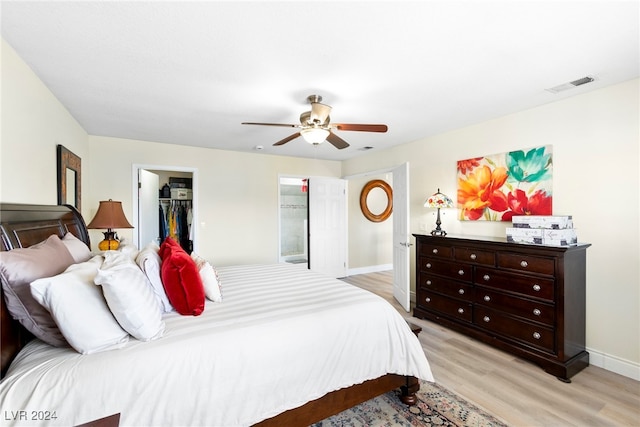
(77, 248)
(130, 297)
(210, 278)
(79, 308)
(128, 248)
(149, 262)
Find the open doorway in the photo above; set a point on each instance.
(294, 220)
(163, 197)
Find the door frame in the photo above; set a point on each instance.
(134, 191)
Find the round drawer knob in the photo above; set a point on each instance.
(428, 282)
(461, 291)
(536, 288)
(435, 251)
(487, 298)
(524, 264)
(461, 272)
(428, 265)
(473, 256)
(537, 335)
(537, 312)
(486, 277)
(461, 310)
(486, 319)
(427, 299)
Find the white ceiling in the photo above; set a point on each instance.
(190, 72)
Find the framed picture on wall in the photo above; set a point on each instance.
(499, 186)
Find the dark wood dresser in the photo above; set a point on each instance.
(525, 299)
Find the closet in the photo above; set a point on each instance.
(166, 207)
(175, 217)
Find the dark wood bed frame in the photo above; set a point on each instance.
(23, 225)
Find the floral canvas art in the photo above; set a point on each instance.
(497, 187)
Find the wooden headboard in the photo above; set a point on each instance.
(21, 226)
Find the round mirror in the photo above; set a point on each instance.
(376, 200)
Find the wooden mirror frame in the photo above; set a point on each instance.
(68, 161)
(376, 183)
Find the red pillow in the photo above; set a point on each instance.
(181, 279)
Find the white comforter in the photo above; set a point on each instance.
(282, 336)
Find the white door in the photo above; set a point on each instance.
(401, 237)
(328, 226)
(148, 205)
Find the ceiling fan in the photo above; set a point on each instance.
(316, 127)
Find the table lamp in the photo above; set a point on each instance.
(109, 216)
(438, 200)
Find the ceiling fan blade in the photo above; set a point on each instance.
(360, 127)
(271, 124)
(287, 139)
(320, 112)
(337, 142)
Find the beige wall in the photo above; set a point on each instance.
(32, 123)
(237, 192)
(370, 243)
(595, 139)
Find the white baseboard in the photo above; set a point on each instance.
(369, 269)
(614, 364)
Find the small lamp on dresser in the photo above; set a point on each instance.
(438, 201)
(110, 215)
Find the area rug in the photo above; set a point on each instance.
(436, 407)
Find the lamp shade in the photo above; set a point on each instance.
(109, 215)
(438, 200)
(314, 135)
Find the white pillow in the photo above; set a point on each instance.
(126, 248)
(77, 248)
(79, 309)
(149, 261)
(130, 297)
(210, 279)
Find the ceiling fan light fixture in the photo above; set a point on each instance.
(314, 136)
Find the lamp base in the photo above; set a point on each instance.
(110, 243)
(438, 231)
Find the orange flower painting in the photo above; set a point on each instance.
(497, 187)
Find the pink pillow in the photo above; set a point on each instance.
(20, 267)
(181, 279)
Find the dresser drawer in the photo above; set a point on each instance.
(529, 309)
(447, 306)
(450, 269)
(475, 256)
(446, 286)
(434, 250)
(506, 325)
(528, 263)
(537, 287)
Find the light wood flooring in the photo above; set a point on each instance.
(518, 392)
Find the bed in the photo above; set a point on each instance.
(287, 346)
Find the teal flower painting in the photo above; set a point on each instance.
(497, 187)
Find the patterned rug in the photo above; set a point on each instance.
(436, 407)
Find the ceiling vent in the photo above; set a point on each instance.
(367, 148)
(571, 85)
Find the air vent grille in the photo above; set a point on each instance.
(571, 85)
